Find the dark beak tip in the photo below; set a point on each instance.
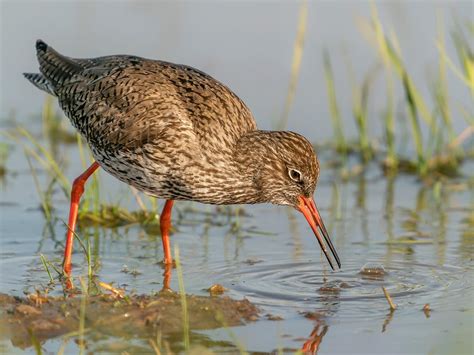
(309, 209)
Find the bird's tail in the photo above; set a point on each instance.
(56, 68)
(40, 82)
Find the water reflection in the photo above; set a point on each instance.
(416, 241)
(311, 346)
(389, 212)
(466, 245)
(361, 207)
(387, 320)
(329, 303)
(109, 319)
(295, 234)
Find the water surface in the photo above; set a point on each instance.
(422, 236)
(423, 243)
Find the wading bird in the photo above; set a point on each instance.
(176, 133)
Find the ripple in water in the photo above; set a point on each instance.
(282, 286)
(359, 290)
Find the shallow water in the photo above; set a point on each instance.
(423, 243)
(423, 239)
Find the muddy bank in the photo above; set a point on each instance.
(142, 316)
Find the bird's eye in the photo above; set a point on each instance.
(295, 175)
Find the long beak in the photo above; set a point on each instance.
(311, 213)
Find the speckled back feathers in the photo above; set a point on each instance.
(174, 131)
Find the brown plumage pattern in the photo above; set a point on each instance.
(175, 132)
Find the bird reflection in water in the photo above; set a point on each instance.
(311, 346)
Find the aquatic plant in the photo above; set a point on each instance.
(340, 142)
(55, 129)
(434, 155)
(296, 63)
(359, 111)
(437, 149)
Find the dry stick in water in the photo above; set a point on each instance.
(393, 306)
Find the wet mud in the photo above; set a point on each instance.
(25, 320)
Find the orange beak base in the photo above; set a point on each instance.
(311, 213)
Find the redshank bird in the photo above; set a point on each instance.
(176, 133)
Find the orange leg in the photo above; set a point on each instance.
(167, 277)
(165, 225)
(76, 193)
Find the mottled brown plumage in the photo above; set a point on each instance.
(176, 133)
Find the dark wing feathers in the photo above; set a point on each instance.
(126, 101)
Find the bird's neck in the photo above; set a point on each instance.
(237, 180)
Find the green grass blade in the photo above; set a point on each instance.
(45, 200)
(182, 293)
(389, 120)
(296, 63)
(416, 131)
(442, 91)
(49, 162)
(45, 265)
(341, 145)
(35, 342)
(359, 109)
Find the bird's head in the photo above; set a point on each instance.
(286, 173)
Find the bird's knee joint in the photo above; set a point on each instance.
(77, 187)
